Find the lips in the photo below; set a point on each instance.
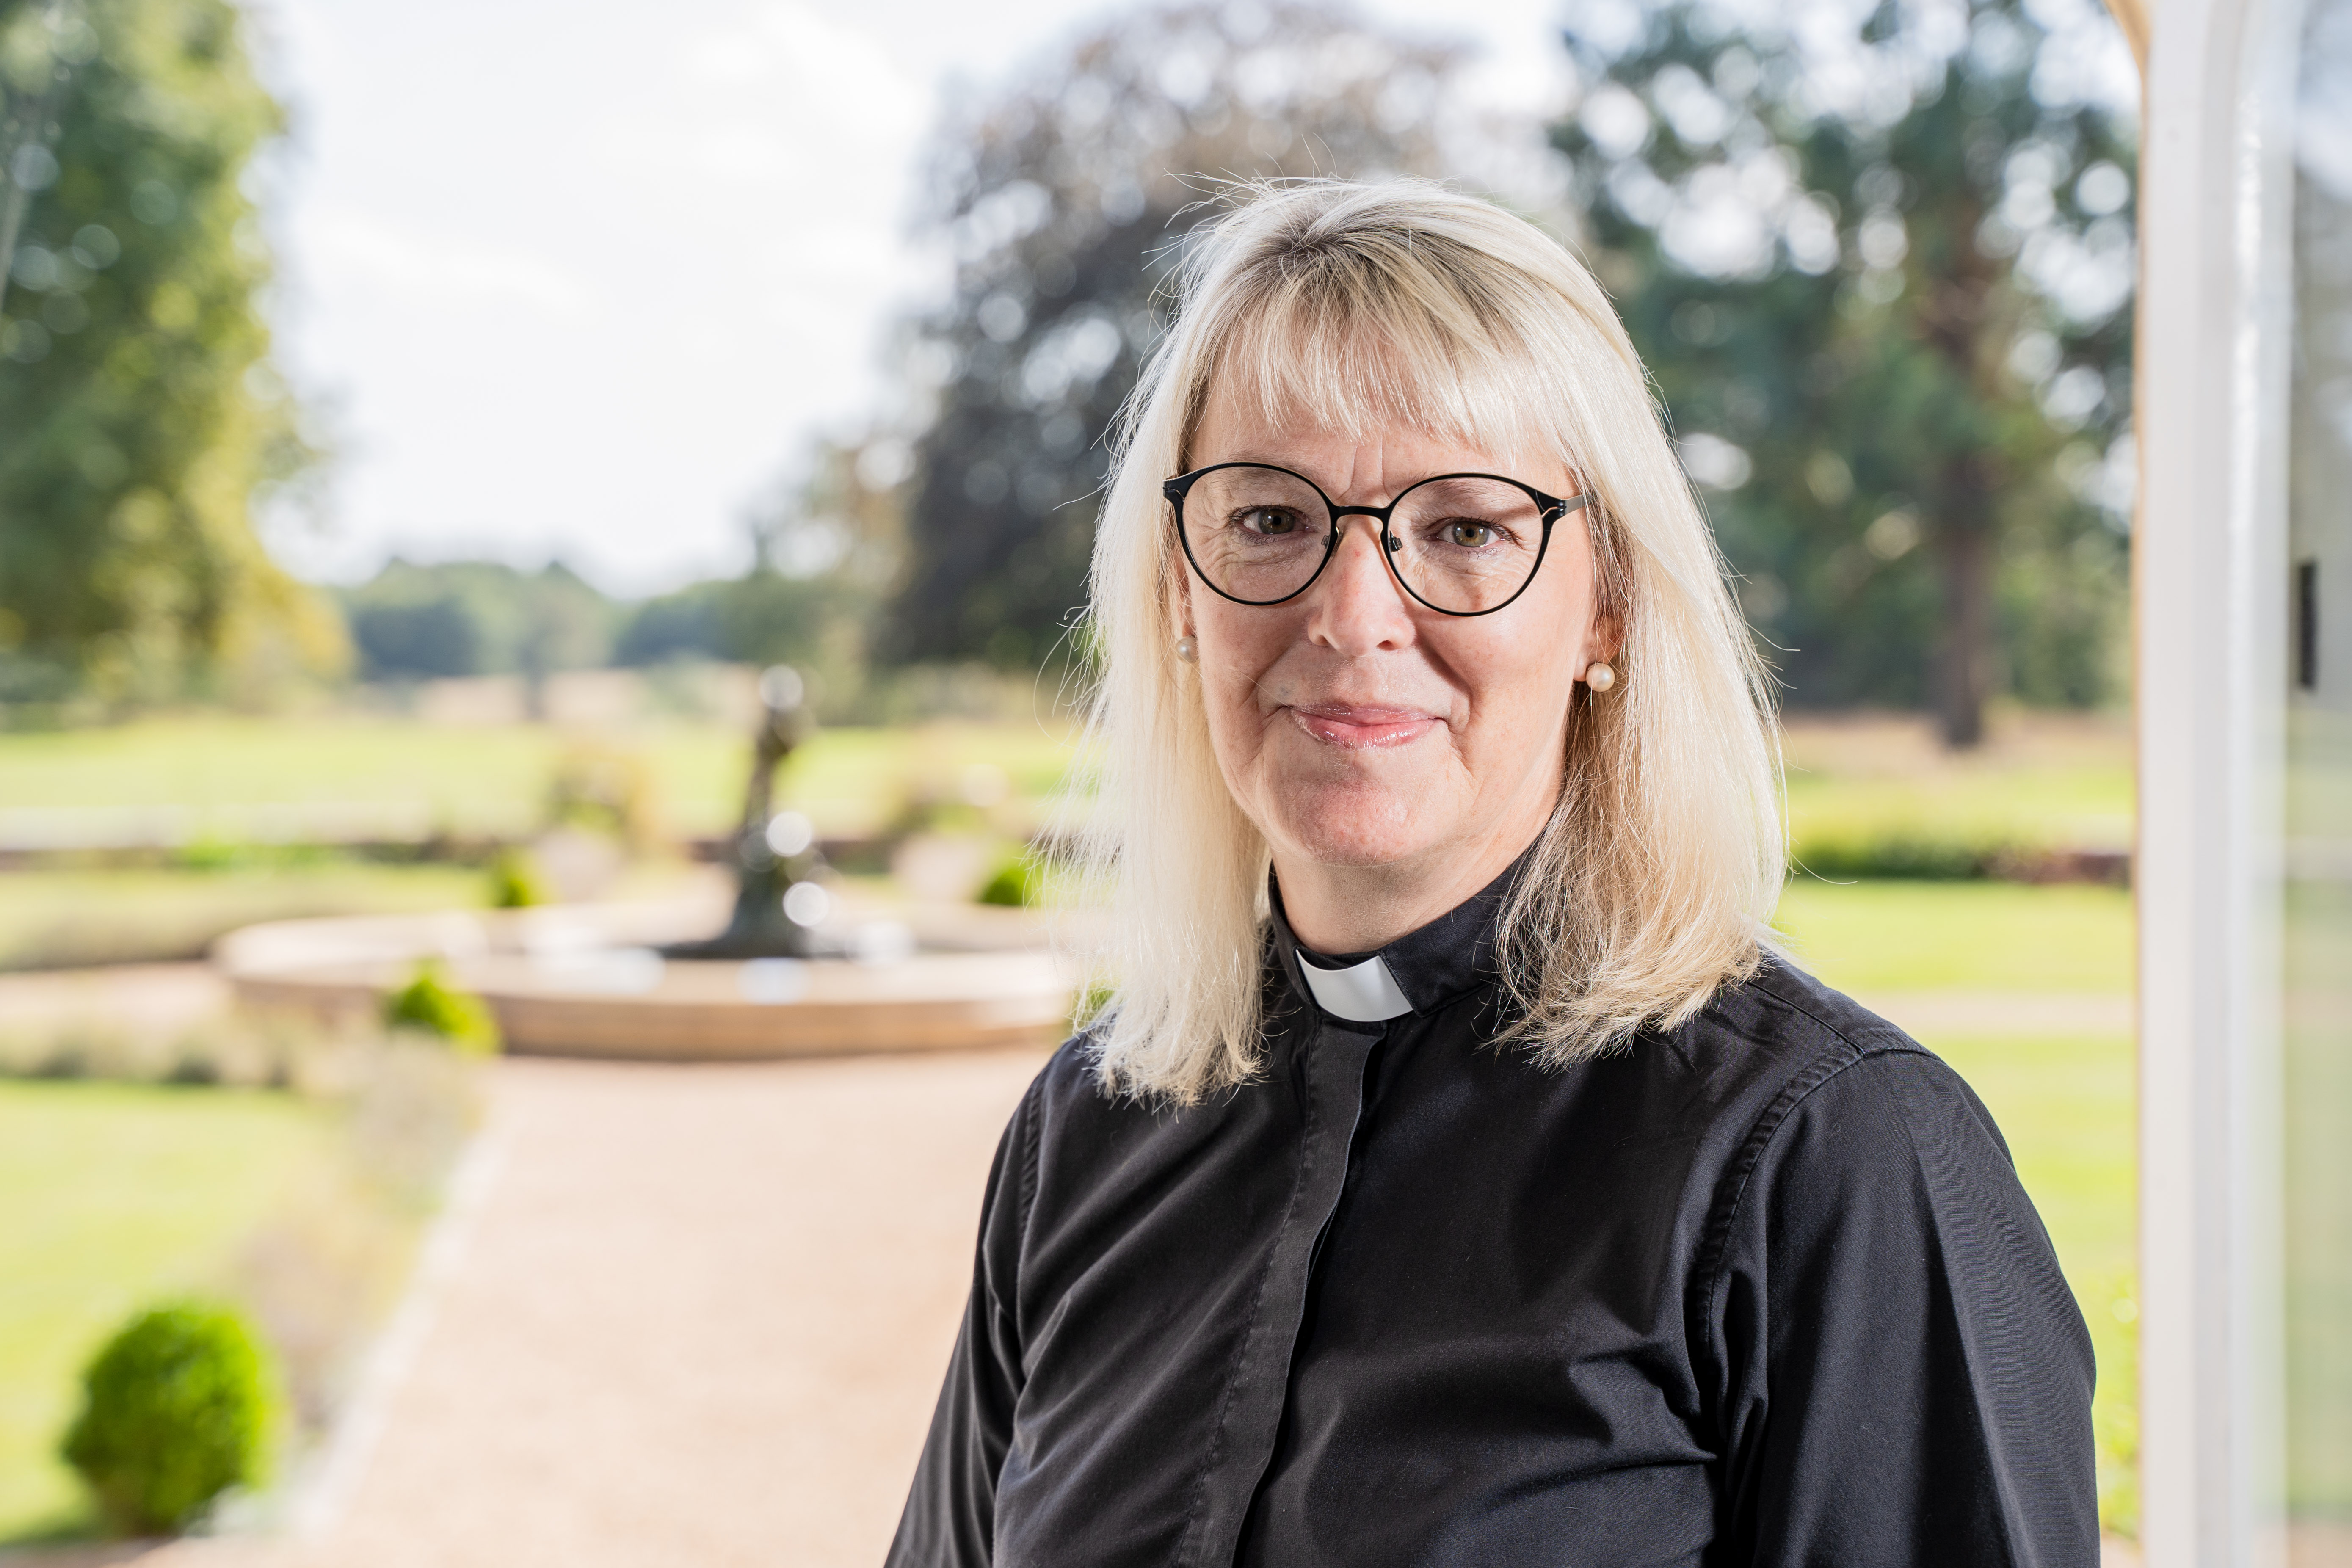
(1354, 727)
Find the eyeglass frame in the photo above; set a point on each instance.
(1551, 507)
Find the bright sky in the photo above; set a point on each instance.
(582, 279)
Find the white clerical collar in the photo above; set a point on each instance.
(1364, 994)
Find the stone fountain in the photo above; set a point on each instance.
(799, 967)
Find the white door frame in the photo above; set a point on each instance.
(2209, 578)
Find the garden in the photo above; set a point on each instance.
(293, 1176)
(367, 549)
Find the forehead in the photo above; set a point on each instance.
(1370, 450)
(1361, 448)
(1293, 383)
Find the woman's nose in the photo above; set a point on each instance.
(1358, 606)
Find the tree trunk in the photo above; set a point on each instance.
(1964, 673)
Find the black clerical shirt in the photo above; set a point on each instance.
(1760, 1290)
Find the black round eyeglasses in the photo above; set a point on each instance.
(1462, 544)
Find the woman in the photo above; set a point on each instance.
(1459, 1176)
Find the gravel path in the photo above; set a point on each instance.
(699, 1317)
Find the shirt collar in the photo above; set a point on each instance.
(1419, 970)
(1364, 992)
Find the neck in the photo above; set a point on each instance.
(1355, 908)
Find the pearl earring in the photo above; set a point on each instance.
(1599, 677)
(1187, 649)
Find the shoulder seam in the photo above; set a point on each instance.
(1901, 1042)
(1025, 1152)
(1030, 1113)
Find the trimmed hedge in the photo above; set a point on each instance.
(1917, 857)
(430, 1004)
(1019, 884)
(515, 880)
(1931, 857)
(177, 1410)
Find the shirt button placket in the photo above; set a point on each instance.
(1335, 1094)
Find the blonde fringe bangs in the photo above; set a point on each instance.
(1351, 306)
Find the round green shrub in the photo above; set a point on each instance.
(431, 1005)
(515, 880)
(1019, 883)
(177, 1410)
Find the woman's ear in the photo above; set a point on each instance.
(1606, 640)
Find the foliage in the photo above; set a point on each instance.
(822, 548)
(212, 852)
(1064, 203)
(1912, 856)
(478, 617)
(177, 1411)
(1019, 884)
(1881, 274)
(516, 882)
(430, 1004)
(680, 625)
(762, 617)
(140, 412)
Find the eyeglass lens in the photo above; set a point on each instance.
(1461, 544)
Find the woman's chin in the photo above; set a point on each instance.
(1351, 827)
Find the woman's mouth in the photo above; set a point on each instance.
(1354, 728)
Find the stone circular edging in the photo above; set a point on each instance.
(584, 980)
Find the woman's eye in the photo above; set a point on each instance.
(1269, 520)
(1469, 535)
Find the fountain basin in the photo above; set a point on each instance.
(586, 979)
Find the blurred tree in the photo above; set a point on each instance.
(1879, 262)
(1064, 203)
(409, 635)
(139, 414)
(761, 617)
(680, 625)
(823, 550)
(478, 617)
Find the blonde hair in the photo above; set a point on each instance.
(1360, 304)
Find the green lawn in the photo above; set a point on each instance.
(1961, 936)
(54, 918)
(470, 778)
(466, 779)
(2079, 806)
(495, 778)
(2040, 780)
(115, 1195)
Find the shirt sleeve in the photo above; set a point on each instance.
(1906, 1377)
(950, 1516)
